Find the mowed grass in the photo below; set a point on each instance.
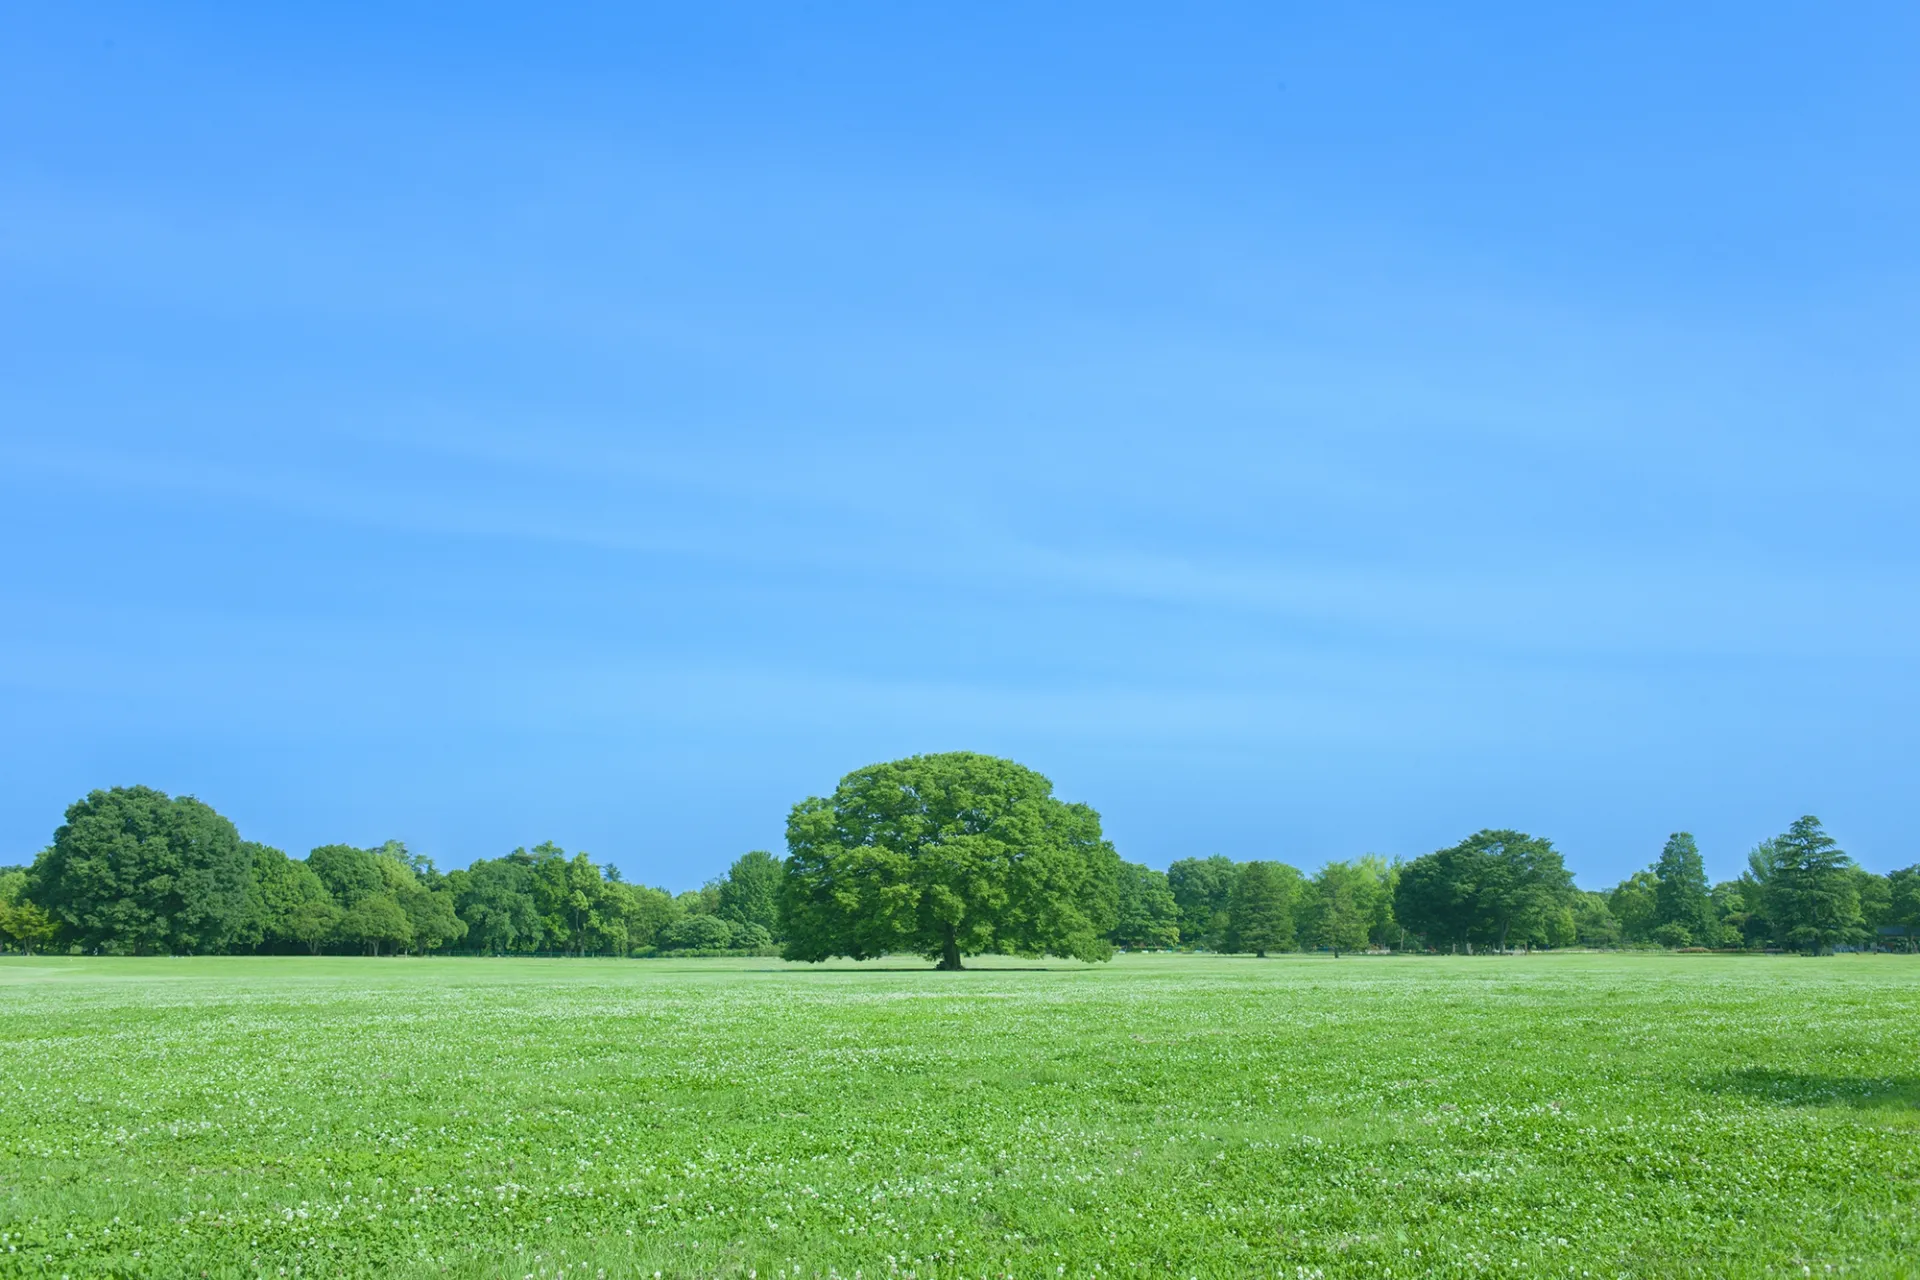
(1548, 1116)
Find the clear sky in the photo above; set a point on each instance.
(1297, 430)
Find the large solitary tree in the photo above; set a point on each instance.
(947, 856)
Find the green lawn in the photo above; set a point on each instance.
(1549, 1116)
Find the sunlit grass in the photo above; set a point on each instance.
(1563, 1116)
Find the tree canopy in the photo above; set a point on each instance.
(145, 869)
(947, 856)
(1492, 886)
(944, 855)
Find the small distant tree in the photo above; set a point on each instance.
(494, 899)
(285, 891)
(1635, 904)
(27, 925)
(1593, 922)
(1680, 892)
(1672, 935)
(1903, 903)
(1340, 907)
(312, 923)
(1202, 889)
(750, 894)
(1260, 917)
(1813, 899)
(700, 933)
(1876, 898)
(1383, 928)
(374, 922)
(1735, 907)
(1149, 918)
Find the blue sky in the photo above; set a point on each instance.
(1297, 430)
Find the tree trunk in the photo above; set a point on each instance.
(950, 954)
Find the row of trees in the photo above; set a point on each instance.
(1799, 892)
(135, 871)
(945, 856)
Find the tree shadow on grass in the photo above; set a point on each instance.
(1817, 1089)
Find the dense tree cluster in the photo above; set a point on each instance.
(1800, 892)
(945, 856)
(135, 871)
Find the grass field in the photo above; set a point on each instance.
(1551, 1116)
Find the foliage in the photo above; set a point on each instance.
(1148, 917)
(1340, 907)
(946, 856)
(1203, 891)
(1491, 887)
(291, 905)
(1680, 893)
(1260, 915)
(1812, 898)
(25, 925)
(1903, 902)
(1635, 904)
(136, 868)
(750, 894)
(1593, 921)
(714, 935)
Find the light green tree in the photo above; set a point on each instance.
(1340, 904)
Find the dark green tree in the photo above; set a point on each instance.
(1735, 904)
(376, 921)
(348, 873)
(1260, 915)
(1903, 905)
(1876, 899)
(1813, 900)
(1203, 890)
(494, 899)
(947, 856)
(1491, 887)
(1680, 895)
(137, 869)
(1148, 917)
(751, 892)
(1593, 922)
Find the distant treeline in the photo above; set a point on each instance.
(134, 871)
